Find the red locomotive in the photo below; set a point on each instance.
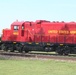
(41, 35)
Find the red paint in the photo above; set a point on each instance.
(41, 31)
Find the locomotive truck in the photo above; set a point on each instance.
(40, 35)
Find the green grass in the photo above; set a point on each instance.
(37, 67)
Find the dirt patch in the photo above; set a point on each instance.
(6, 57)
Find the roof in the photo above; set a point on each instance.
(17, 23)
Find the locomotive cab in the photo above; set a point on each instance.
(15, 32)
(17, 29)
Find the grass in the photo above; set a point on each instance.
(37, 67)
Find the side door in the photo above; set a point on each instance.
(15, 33)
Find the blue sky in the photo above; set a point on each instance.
(31, 10)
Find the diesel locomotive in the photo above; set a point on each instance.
(41, 35)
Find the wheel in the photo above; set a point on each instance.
(11, 49)
(46, 49)
(0, 46)
(25, 49)
(59, 50)
(50, 49)
(3, 47)
(19, 48)
(66, 50)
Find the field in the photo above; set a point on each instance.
(37, 67)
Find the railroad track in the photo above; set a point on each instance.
(38, 56)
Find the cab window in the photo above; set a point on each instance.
(16, 27)
(22, 27)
